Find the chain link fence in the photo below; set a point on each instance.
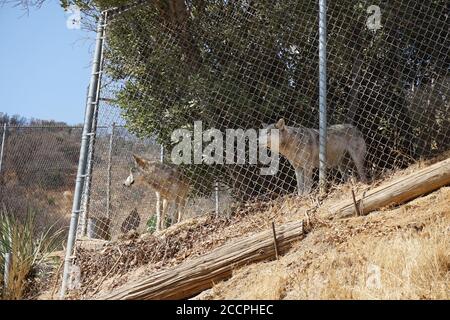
(245, 64)
(37, 172)
(189, 67)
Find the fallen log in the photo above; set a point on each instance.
(396, 192)
(199, 274)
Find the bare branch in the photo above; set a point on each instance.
(23, 4)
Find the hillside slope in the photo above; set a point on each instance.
(401, 253)
(396, 252)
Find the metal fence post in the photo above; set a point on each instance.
(322, 95)
(216, 192)
(8, 255)
(8, 262)
(81, 174)
(158, 195)
(108, 190)
(5, 126)
(87, 191)
(86, 196)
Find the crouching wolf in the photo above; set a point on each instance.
(165, 179)
(300, 146)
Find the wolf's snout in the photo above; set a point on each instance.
(129, 181)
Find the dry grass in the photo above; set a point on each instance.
(402, 253)
(406, 266)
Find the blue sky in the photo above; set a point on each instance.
(44, 66)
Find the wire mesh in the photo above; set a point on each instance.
(39, 165)
(249, 64)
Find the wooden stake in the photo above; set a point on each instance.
(356, 204)
(275, 243)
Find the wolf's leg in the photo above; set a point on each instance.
(358, 158)
(361, 171)
(181, 205)
(158, 211)
(163, 214)
(307, 176)
(343, 171)
(174, 218)
(300, 181)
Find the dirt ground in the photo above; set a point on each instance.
(401, 252)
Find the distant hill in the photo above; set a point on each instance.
(39, 166)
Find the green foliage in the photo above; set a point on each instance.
(151, 224)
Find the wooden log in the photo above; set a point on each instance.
(199, 274)
(398, 191)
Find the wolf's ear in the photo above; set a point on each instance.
(141, 162)
(264, 125)
(280, 124)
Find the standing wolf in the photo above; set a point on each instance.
(300, 146)
(166, 180)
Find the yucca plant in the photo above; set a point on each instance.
(28, 248)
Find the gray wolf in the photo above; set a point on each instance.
(166, 180)
(300, 146)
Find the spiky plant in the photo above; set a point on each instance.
(28, 249)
